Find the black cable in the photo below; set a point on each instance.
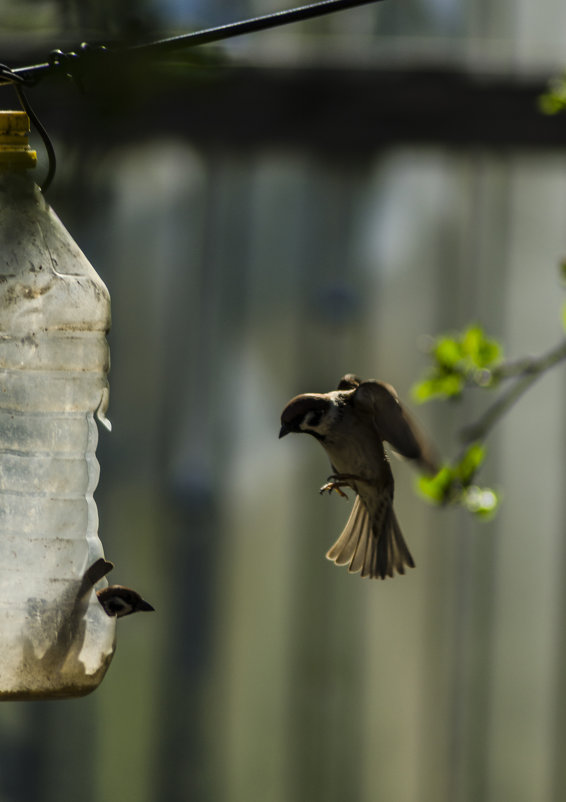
(8, 76)
(51, 158)
(263, 23)
(70, 62)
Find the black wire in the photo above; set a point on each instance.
(9, 77)
(51, 158)
(262, 23)
(70, 62)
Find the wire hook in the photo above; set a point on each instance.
(9, 77)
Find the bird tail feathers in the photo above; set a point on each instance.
(377, 550)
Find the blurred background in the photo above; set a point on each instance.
(269, 214)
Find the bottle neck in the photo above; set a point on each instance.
(15, 152)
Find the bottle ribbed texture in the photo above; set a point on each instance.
(54, 315)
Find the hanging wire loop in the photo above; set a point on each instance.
(73, 63)
(11, 77)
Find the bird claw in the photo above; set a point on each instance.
(337, 480)
(334, 485)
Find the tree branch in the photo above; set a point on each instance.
(527, 372)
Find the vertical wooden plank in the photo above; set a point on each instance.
(526, 609)
(153, 243)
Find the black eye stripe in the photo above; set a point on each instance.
(314, 418)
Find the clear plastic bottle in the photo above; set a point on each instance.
(55, 638)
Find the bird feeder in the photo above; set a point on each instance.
(55, 638)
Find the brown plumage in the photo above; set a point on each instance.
(351, 424)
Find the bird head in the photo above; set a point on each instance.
(311, 413)
(119, 601)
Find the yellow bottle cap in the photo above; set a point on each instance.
(14, 148)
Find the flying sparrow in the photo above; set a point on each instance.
(351, 424)
(120, 601)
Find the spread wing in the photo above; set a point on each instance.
(393, 422)
(349, 382)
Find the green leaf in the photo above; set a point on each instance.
(447, 352)
(554, 99)
(464, 358)
(481, 351)
(448, 386)
(423, 391)
(452, 485)
(489, 353)
(451, 386)
(472, 339)
(549, 103)
(468, 466)
(437, 488)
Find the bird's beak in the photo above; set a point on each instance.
(285, 429)
(143, 605)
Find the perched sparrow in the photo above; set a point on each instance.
(120, 601)
(351, 424)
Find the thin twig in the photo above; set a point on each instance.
(526, 372)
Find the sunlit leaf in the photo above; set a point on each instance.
(554, 100)
(470, 462)
(489, 354)
(482, 351)
(471, 341)
(447, 352)
(443, 386)
(451, 385)
(467, 357)
(453, 485)
(549, 103)
(437, 488)
(423, 391)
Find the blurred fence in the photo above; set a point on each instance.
(238, 280)
(266, 672)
